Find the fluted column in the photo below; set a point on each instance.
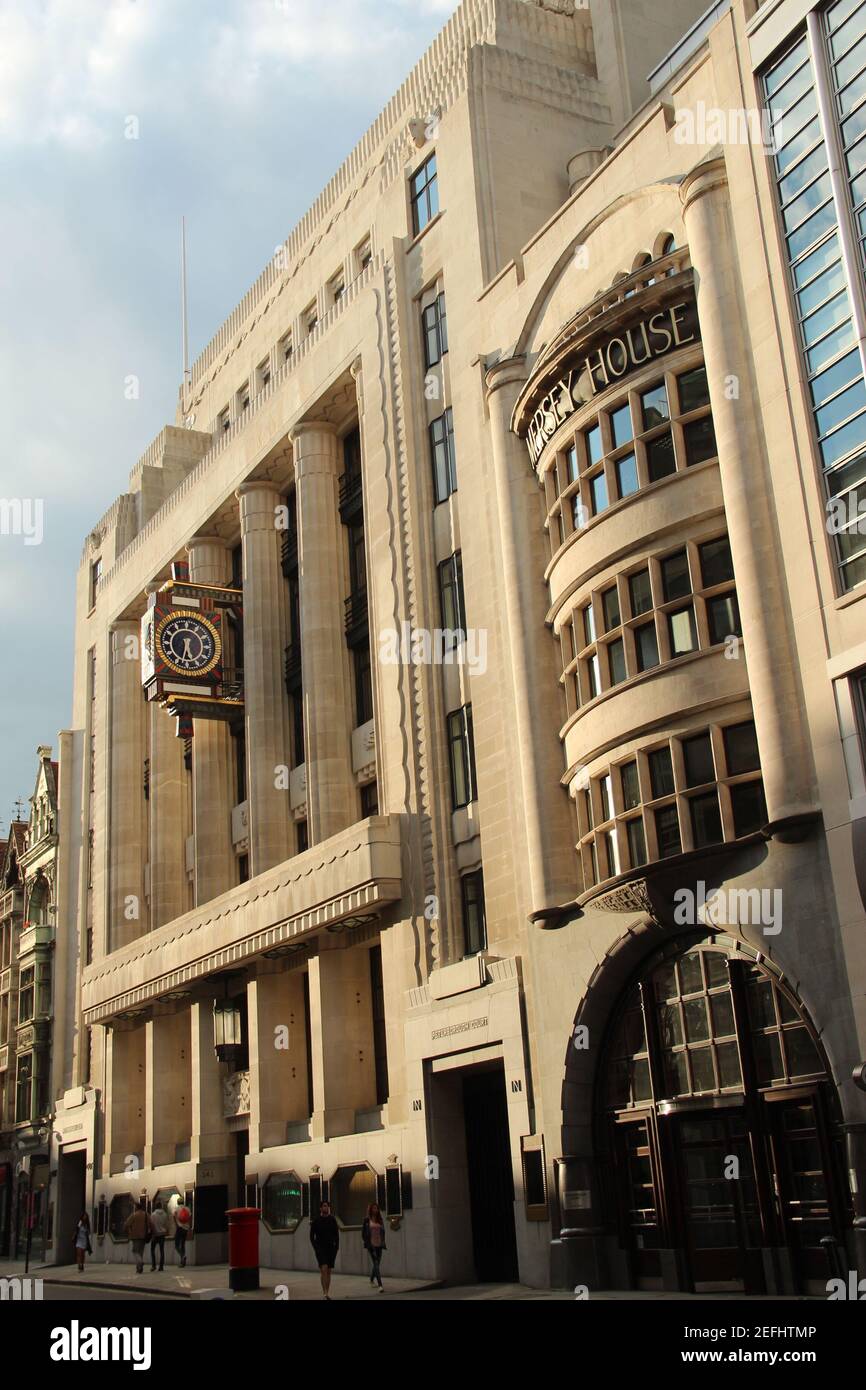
(768, 638)
(168, 828)
(127, 820)
(532, 653)
(328, 715)
(212, 756)
(266, 700)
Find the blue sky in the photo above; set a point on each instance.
(244, 109)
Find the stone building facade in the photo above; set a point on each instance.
(490, 842)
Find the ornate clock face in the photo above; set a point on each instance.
(188, 643)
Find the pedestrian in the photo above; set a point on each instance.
(325, 1240)
(373, 1236)
(183, 1222)
(82, 1240)
(137, 1227)
(158, 1233)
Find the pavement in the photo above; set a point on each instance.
(211, 1281)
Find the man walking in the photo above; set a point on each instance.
(159, 1231)
(137, 1227)
(183, 1222)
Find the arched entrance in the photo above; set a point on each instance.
(717, 1126)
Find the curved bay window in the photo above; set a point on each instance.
(718, 1117)
(640, 438)
(688, 793)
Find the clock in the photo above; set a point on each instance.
(188, 643)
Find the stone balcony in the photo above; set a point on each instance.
(34, 936)
(354, 873)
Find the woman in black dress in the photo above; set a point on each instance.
(325, 1240)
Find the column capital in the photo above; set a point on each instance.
(708, 177)
(308, 427)
(207, 540)
(253, 485)
(508, 371)
(123, 624)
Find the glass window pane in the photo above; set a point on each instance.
(682, 632)
(670, 1025)
(592, 442)
(785, 96)
(716, 966)
(610, 608)
(803, 1059)
(677, 1070)
(698, 758)
(703, 1073)
(626, 475)
(818, 260)
(817, 226)
(847, 403)
(629, 785)
(646, 646)
(807, 202)
(661, 772)
(640, 593)
(700, 439)
(842, 373)
(803, 174)
(768, 1057)
(660, 458)
(741, 748)
(675, 576)
(785, 67)
(691, 978)
(693, 390)
(843, 440)
(829, 316)
(706, 820)
(636, 842)
(723, 1015)
(723, 618)
(654, 406)
(749, 807)
(616, 661)
(620, 426)
(571, 464)
(729, 1065)
(588, 624)
(598, 491)
(717, 567)
(697, 1022)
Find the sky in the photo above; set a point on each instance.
(242, 110)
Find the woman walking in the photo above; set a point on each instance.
(373, 1236)
(325, 1240)
(82, 1240)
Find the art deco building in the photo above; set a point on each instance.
(471, 685)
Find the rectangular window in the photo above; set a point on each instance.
(286, 348)
(451, 601)
(95, 576)
(298, 728)
(682, 631)
(723, 618)
(661, 772)
(592, 445)
(717, 567)
(370, 799)
(668, 832)
(693, 390)
(616, 661)
(263, 372)
(660, 459)
(741, 748)
(654, 406)
(462, 756)
(474, 917)
(749, 807)
(612, 850)
(26, 995)
(570, 464)
(303, 838)
(598, 493)
(675, 576)
(610, 608)
(630, 786)
(380, 1037)
(646, 646)
(636, 842)
(605, 796)
(698, 758)
(435, 333)
(363, 684)
(24, 1088)
(424, 195)
(700, 441)
(626, 476)
(588, 624)
(706, 820)
(620, 426)
(443, 456)
(640, 593)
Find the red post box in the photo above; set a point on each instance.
(243, 1248)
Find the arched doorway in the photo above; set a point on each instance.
(718, 1126)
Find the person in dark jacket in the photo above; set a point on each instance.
(373, 1236)
(82, 1240)
(325, 1240)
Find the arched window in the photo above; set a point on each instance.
(718, 1122)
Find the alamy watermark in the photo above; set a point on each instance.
(22, 516)
(441, 646)
(729, 907)
(712, 125)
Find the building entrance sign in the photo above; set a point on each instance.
(600, 361)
